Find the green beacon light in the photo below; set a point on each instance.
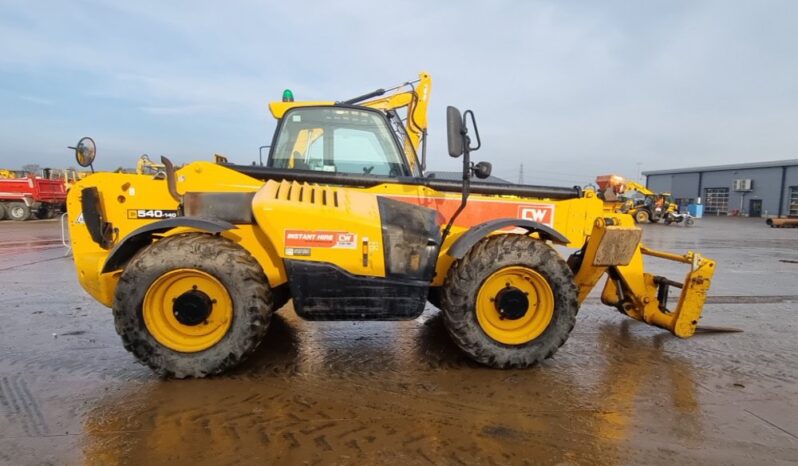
(288, 96)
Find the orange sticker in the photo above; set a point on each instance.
(482, 210)
(320, 239)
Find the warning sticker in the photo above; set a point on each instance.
(320, 239)
(297, 252)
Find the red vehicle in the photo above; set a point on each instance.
(22, 198)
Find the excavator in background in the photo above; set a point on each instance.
(343, 221)
(644, 205)
(145, 166)
(72, 176)
(7, 174)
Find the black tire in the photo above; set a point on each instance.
(18, 211)
(2, 210)
(467, 275)
(689, 221)
(231, 265)
(642, 216)
(45, 212)
(41, 213)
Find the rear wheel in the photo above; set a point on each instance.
(2, 210)
(511, 302)
(45, 212)
(18, 211)
(192, 305)
(642, 216)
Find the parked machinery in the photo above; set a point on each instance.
(23, 198)
(623, 195)
(343, 220)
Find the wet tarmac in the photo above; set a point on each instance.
(618, 392)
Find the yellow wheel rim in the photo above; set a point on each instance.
(527, 318)
(187, 310)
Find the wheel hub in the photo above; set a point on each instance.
(192, 307)
(187, 310)
(514, 305)
(511, 303)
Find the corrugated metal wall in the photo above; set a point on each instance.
(766, 185)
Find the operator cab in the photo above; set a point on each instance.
(338, 139)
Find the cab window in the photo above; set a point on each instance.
(340, 140)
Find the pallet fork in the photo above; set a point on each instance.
(615, 250)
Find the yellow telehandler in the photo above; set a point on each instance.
(646, 206)
(343, 220)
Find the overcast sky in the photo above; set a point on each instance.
(569, 89)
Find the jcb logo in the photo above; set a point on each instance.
(541, 213)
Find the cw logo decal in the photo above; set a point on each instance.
(541, 213)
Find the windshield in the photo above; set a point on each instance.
(339, 140)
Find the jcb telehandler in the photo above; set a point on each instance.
(342, 220)
(647, 206)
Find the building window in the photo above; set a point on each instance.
(716, 201)
(793, 201)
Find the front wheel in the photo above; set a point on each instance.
(192, 305)
(511, 302)
(689, 221)
(642, 216)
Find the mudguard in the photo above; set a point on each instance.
(467, 240)
(141, 237)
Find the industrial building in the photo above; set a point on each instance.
(763, 189)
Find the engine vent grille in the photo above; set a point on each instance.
(303, 192)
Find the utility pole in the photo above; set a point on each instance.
(521, 174)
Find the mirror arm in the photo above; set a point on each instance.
(466, 114)
(466, 185)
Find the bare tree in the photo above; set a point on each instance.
(31, 168)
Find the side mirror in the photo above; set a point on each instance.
(482, 170)
(455, 131)
(85, 152)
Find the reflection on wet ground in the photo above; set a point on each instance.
(618, 392)
(409, 397)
